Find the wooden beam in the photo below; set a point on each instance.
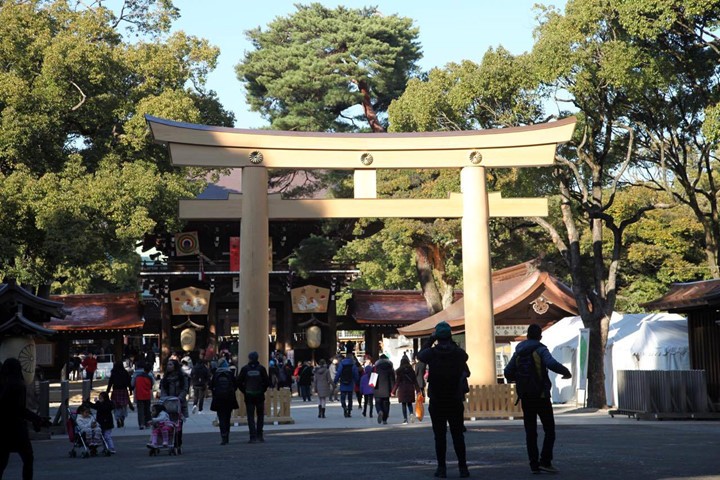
(279, 209)
(237, 157)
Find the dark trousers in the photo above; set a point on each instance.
(407, 409)
(359, 397)
(346, 400)
(382, 405)
(368, 400)
(24, 449)
(532, 409)
(199, 393)
(443, 414)
(223, 415)
(305, 392)
(143, 409)
(255, 405)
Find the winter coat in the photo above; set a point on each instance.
(405, 384)
(365, 387)
(142, 383)
(448, 366)
(305, 376)
(175, 383)
(548, 362)
(264, 379)
(347, 363)
(219, 402)
(420, 368)
(386, 378)
(322, 383)
(200, 375)
(104, 415)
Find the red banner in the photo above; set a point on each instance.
(235, 254)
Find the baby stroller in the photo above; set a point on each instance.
(78, 440)
(173, 408)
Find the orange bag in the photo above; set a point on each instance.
(420, 407)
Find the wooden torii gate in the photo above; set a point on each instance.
(471, 151)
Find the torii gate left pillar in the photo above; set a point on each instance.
(472, 152)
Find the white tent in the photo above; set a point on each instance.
(635, 342)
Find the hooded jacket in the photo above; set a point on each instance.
(546, 359)
(386, 378)
(322, 382)
(447, 364)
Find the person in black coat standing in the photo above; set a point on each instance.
(253, 382)
(447, 363)
(13, 417)
(224, 401)
(383, 387)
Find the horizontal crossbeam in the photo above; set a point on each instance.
(279, 209)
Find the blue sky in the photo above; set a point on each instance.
(450, 31)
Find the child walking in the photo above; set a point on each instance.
(104, 407)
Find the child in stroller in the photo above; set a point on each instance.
(85, 433)
(166, 423)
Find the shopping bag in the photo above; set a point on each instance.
(372, 381)
(420, 407)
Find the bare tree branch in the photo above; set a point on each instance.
(82, 95)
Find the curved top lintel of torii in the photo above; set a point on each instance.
(223, 147)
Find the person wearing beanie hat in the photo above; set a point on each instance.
(253, 382)
(447, 363)
(223, 386)
(528, 368)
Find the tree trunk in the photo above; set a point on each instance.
(429, 288)
(370, 112)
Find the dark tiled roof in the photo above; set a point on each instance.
(687, 296)
(99, 312)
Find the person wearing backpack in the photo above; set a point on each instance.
(200, 376)
(528, 368)
(224, 401)
(253, 382)
(347, 376)
(447, 365)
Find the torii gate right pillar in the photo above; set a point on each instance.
(477, 277)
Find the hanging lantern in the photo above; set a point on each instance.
(313, 336)
(22, 348)
(187, 339)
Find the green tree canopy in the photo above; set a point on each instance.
(80, 179)
(308, 69)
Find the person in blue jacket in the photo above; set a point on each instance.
(530, 358)
(347, 376)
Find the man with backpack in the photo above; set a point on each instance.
(200, 376)
(528, 368)
(253, 382)
(347, 376)
(222, 386)
(447, 363)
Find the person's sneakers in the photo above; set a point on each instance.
(194, 410)
(142, 427)
(464, 472)
(252, 440)
(380, 418)
(405, 421)
(535, 470)
(440, 472)
(547, 467)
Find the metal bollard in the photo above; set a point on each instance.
(44, 399)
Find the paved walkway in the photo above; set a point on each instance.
(590, 445)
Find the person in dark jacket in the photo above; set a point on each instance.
(383, 387)
(224, 401)
(367, 390)
(253, 382)
(13, 417)
(175, 384)
(448, 366)
(104, 407)
(420, 369)
(200, 376)
(406, 387)
(537, 405)
(120, 384)
(347, 377)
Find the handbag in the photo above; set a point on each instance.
(420, 407)
(372, 381)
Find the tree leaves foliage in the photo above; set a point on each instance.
(80, 179)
